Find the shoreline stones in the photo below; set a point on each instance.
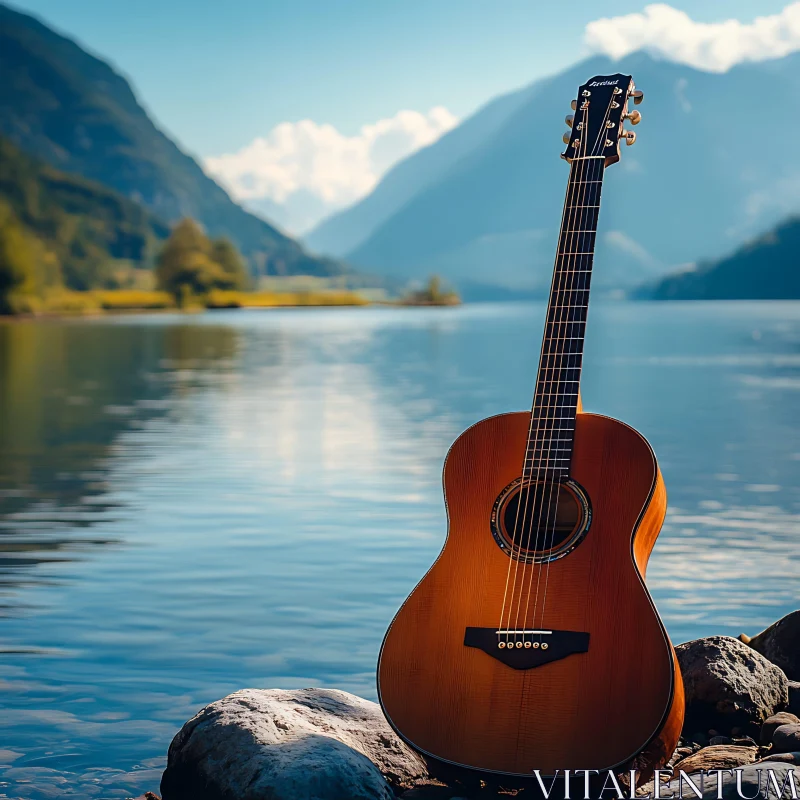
(323, 744)
(729, 685)
(773, 723)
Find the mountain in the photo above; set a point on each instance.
(72, 110)
(763, 269)
(345, 230)
(708, 171)
(81, 233)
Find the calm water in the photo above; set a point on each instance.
(192, 505)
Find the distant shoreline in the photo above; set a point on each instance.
(66, 304)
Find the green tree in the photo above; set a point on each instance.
(434, 289)
(224, 253)
(17, 259)
(190, 263)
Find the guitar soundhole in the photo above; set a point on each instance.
(540, 520)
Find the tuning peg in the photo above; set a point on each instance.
(637, 96)
(570, 118)
(634, 116)
(629, 137)
(565, 138)
(574, 105)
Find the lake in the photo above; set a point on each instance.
(194, 504)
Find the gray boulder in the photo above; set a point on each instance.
(271, 744)
(729, 685)
(773, 723)
(786, 738)
(780, 643)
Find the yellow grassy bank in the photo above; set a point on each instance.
(222, 299)
(65, 302)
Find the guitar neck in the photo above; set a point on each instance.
(555, 402)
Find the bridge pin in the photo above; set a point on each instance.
(535, 645)
(519, 644)
(527, 644)
(545, 645)
(501, 645)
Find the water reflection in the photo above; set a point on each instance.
(67, 392)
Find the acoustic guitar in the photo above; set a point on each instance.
(532, 643)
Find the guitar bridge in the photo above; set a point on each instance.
(526, 649)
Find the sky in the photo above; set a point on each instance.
(298, 108)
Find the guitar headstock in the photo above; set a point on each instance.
(600, 111)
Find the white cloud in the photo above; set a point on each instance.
(714, 46)
(315, 161)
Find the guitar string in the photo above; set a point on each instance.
(596, 202)
(541, 419)
(525, 487)
(529, 485)
(522, 478)
(552, 387)
(532, 488)
(529, 488)
(557, 362)
(534, 439)
(599, 143)
(516, 551)
(549, 524)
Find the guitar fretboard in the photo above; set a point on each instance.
(555, 403)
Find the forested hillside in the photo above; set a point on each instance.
(766, 268)
(58, 229)
(72, 110)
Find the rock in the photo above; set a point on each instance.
(309, 744)
(775, 721)
(784, 758)
(728, 685)
(714, 740)
(786, 738)
(744, 741)
(722, 756)
(794, 697)
(780, 643)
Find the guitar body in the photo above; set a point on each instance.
(618, 703)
